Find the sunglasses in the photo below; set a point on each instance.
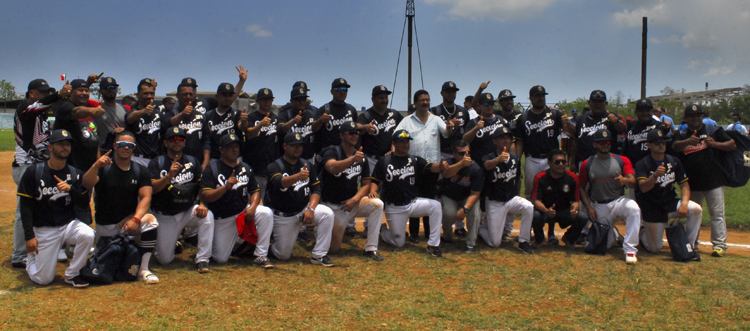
(341, 89)
(488, 104)
(353, 133)
(111, 88)
(604, 143)
(560, 162)
(658, 142)
(175, 139)
(461, 153)
(125, 144)
(300, 99)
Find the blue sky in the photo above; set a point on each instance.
(569, 46)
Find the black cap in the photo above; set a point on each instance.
(449, 86)
(380, 89)
(78, 83)
(347, 127)
(301, 84)
(486, 97)
(339, 82)
(175, 132)
(292, 138)
(401, 135)
(537, 89)
(602, 135)
(189, 81)
(107, 82)
(500, 131)
(505, 94)
(654, 134)
(264, 93)
(228, 139)
(298, 92)
(145, 81)
(225, 88)
(693, 109)
(59, 135)
(644, 104)
(598, 95)
(39, 85)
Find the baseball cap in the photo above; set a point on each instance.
(298, 92)
(189, 81)
(501, 131)
(39, 85)
(602, 135)
(78, 83)
(292, 138)
(175, 132)
(301, 84)
(486, 97)
(505, 94)
(598, 95)
(59, 135)
(339, 82)
(264, 93)
(644, 104)
(145, 81)
(225, 88)
(401, 135)
(380, 89)
(654, 134)
(693, 109)
(537, 89)
(228, 139)
(449, 86)
(347, 127)
(574, 111)
(107, 82)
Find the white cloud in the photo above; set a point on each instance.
(499, 10)
(258, 31)
(719, 71)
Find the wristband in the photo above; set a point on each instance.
(136, 220)
(310, 209)
(466, 210)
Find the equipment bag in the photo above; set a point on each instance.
(736, 163)
(681, 249)
(597, 238)
(102, 266)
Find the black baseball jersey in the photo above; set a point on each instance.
(116, 193)
(398, 176)
(51, 207)
(635, 143)
(148, 133)
(500, 181)
(699, 161)
(85, 143)
(193, 125)
(217, 125)
(461, 185)
(482, 143)
(662, 198)
(159, 167)
(342, 186)
(303, 127)
(295, 198)
(379, 143)
(586, 126)
(561, 192)
(445, 114)
(31, 130)
(539, 132)
(328, 135)
(236, 199)
(263, 149)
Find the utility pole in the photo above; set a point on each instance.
(410, 17)
(644, 38)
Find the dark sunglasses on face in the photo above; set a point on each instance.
(299, 99)
(604, 143)
(462, 153)
(125, 144)
(110, 88)
(341, 89)
(658, 142)
(560, 162)
(174, 139)
(488, 104)
(353, 133)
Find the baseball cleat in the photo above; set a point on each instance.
(203, 267)
(630, 258)
(525, 248)
(696, 257)
(434, 251)
(351, 232)
(470, 249)
(414, 239)
(263, 262)
(178, 248)
(322, 261)
(568, 242)
(77, 282)
(20, 264)
(374, 255)
(553, 241)
(718, 252)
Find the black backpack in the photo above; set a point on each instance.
(116, 258)
(597, 238)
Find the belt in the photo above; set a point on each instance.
(605, 201)
(400, 204)
(283, 214)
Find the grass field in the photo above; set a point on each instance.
(7, 141)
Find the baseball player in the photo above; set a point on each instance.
(145, 122)
(635, 147)
(555, 197)
(261, 138)
(228, 187)
(177, 172)
(47, 192)
(332, 115)
(293, 195)
(398, 175)
(479, 130)
(602, 181)
(657, 173)
(189, 114)
(223, 119)
(299, 119)
(460, 188)
(380, 122)
(501, 187)
(122, 197)
(75, 116)
(596, 119)
(345, 189)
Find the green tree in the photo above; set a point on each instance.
(7, 90)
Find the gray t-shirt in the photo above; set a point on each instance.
(601, 173)
(113, 117)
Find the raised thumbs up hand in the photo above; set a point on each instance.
(62, 186)
(304, 174)
(359, 156)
